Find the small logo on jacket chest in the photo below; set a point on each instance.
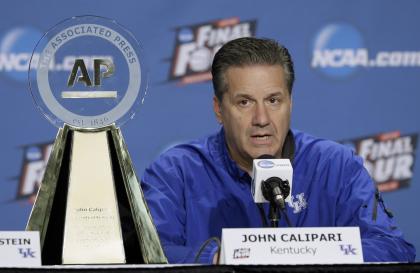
(298, 202)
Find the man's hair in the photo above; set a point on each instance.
(250, 51)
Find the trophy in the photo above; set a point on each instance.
(87, 77)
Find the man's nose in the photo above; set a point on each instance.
(261, 117)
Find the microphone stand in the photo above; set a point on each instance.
(274, 215)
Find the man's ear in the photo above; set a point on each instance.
(217, 107)
(291, 104)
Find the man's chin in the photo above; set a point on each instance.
(264, 153)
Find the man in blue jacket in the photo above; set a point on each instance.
(196, 189)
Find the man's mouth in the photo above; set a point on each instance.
(261, 138)
(265, 137)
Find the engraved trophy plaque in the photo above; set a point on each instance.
(87, 77)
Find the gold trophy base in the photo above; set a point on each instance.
(90, 208)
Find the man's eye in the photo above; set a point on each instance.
(274, 100)
(244, 102)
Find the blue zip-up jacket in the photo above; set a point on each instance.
(194, 190)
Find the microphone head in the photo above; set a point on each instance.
(269, 186)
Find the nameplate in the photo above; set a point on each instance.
(20, 248)
(315, 245)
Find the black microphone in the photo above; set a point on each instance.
(273, 178)
(276, 190)
(272, 183)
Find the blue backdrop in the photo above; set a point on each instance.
(357, 68)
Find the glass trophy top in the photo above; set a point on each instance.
(87, 72)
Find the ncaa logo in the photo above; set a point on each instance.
(266, 164)
(16, 47)
(185, 35)
(338, 49)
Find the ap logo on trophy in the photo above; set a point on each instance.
(106, 82)
(79, 64)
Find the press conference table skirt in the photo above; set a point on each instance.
(388, 268)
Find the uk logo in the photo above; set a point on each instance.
(298, 202)
(27, 253)
(348, 249)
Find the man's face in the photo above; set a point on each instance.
(255, 112)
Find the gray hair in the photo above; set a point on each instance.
(250, 51)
